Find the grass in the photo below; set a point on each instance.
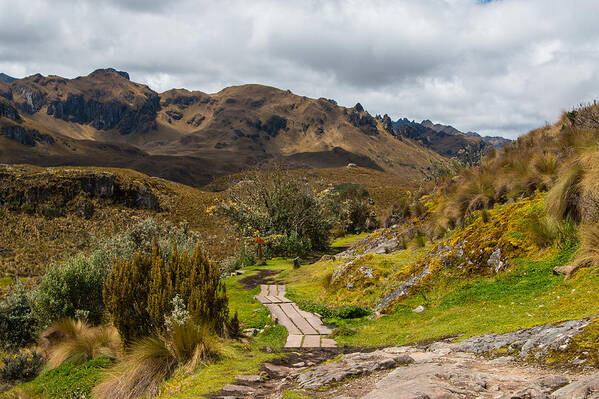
(66, 381)
(242, 359)
(347, 240)
(528, 295)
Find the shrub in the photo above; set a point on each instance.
(275, 203)
(286, 245)
(21, 366)
(17, 323)
(139, 292)
(78, 343)
(343, 312)
(243, 258)
(71, 289)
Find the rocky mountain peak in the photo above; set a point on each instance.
(109, 71)
(5, 78)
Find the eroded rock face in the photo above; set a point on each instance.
(536, 341)
(8, 111)
(107, 115)
(28, 137)
(61, 189)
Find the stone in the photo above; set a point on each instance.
(366, 271)
(277, 371)
(250, 332)
(495, 260)
(419, 309)
(587, 387)
(503, 360)
(326, 258)
(231, 388)
(248, 379)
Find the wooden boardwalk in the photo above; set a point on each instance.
(305, 329)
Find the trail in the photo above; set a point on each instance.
(305, 329)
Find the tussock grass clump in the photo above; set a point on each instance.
(151, 360)
(588, 254)
(563, 198)
(77, 342)
(541, 230)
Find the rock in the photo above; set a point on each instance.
(277, 371)
(250, 332)
(366, 271)
(403, 289)
(419, 309)
(587, 387)
(503, 360)
(326, 258)
(299, 364)
(352, 165)
(231, 388)
(536, 340)
(28, 137)
(495, 260)
(248, 379)
(349, 285)
(352, 364)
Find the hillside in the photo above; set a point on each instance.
(447, 140)
(104, 119)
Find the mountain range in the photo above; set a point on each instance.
(105, 119)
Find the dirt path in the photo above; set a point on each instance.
(305, 329)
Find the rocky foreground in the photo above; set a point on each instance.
(441, 370)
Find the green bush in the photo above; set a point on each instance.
(21, 366)
(139, 292)
(291, 245)
(275, 203)
(343, 312)
(352, 208)
(243, 258)
(71, 289)
(17, 322)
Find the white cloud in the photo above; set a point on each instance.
(502, 67)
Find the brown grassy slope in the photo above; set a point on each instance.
(29, 241)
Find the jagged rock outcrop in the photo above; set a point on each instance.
(28, 137)
(60, 188)
(8, 111)
(106, 115)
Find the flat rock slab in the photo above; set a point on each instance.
(305, 329)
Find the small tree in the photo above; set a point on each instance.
(139, 292)
(276, 203)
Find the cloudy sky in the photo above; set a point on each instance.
(497, 67)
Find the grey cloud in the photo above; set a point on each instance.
(501, 68)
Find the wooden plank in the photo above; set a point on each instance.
(298, 319)
(264, 290)
(294, 341)
(283, 319)
(273, 299)
(262, 299)
(314, 321)
(311, 341)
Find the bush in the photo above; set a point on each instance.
(563, 200)
(17, 322)
(69, 290)
(243, 258)
(291, 245)
(139, 292)
(276, 203)
(351, 206)
(21, 366)
(78, 343)
(343, 312)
